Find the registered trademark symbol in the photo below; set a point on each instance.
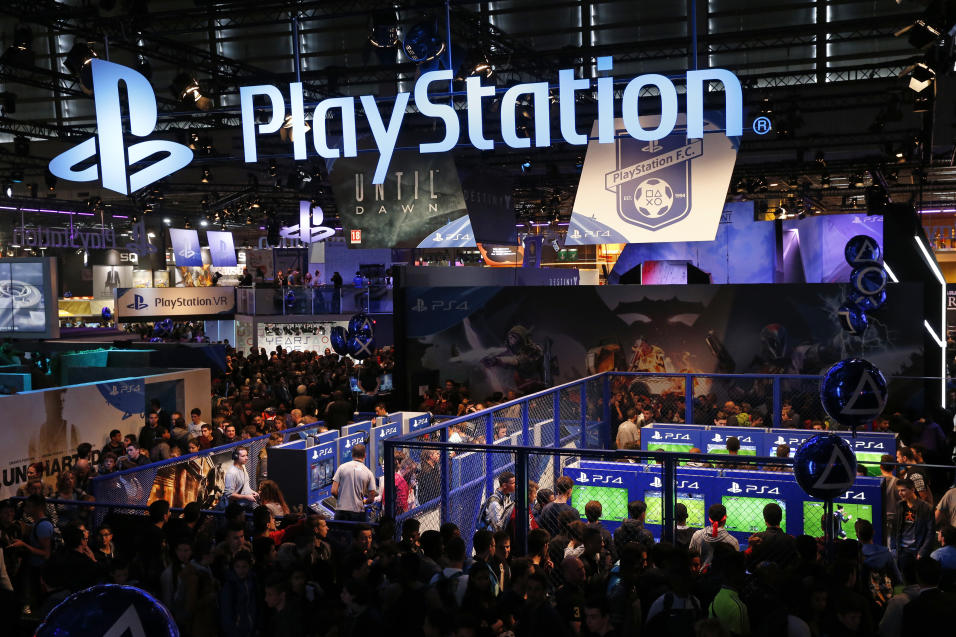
(762, 125)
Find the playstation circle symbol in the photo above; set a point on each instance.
(853, 392)
(115, 158)
(306, 232)
(825, 466)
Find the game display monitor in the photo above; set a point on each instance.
(670, 446)
(28, 307)
(354, 386)
(696, 512)
(869, 456)
(745, 515)
(745, 450)
(813, 517)
(613, 500)
(385, 383)
(321, 474)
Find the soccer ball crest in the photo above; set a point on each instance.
(653, 197)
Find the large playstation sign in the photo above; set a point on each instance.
(114, 158)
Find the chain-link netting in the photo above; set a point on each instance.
(800, 406)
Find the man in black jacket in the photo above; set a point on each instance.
(772, 545)
(914, 529)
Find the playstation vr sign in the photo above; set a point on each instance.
(139, 304)
(113, 158)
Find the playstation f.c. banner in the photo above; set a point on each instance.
(670, 189)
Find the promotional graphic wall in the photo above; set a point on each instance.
(671, 189)
(525, 339)
(46, 426)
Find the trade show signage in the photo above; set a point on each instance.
(222, 250)
(186, 247)
(138, 304)
(309, 228)
(668, 189)
(108, 144)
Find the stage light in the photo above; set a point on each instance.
(526, 165)
(422, 42)
(919, 77)
(8, 190)
(20, 52)
(922, 34)
(255, 204)
(186, 88)
(167, 220)
(78, 63)
(383, 29)
(203, 223)
(273, 168)
(206, 176)
(187, 224)
(476, 64)
(857, 180)
(285, 133)
(143, 67)
(50, 180)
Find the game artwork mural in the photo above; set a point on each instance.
(521, 340)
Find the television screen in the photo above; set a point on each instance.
(321, 474)
(669, 446)
(385, 383)
(25, 292)
(745, 450)
(843, 519)
(869, 457)
(613, 500)
(353, 383)
(695, 508)
(745, 515)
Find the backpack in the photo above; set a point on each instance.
(56, 540)
(483, 523)
(674, 622)
(447, 589)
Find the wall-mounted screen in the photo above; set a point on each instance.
(28, 307)
(845, 516)
(745, 450)
(870, 457)
(669, 446)
(745, 515)
(613, 500)
(693, 502)
(321, 474)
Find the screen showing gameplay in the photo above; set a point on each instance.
(669, 446)
(745, 450)
(613, 500)
(22, 306)
(869, 457)
(745, 515)
(321, 474)
(693, 502)
(843, 519)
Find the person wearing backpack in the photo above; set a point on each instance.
(40, 545)
(495, 512)
(674, 613)
(448, 587)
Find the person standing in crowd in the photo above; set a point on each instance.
(339, 411)
(632, 529)
(353, 486)
(337, 293)
(628, 431)
(236, 487)
(705, 541)
(195, 422)
(549, 514)
(914, 529)
(429, 476)
(495, 512)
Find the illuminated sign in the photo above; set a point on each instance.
(306, 232)
(115, 157)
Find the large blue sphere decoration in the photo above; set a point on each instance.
(109, 609)
(825, 466)
(360, 324)
(339, 339)
(853, 392)
(861, 250)
(106, 313)
(361, 346)
(422, 42)
(866, 302)
(852, 319)
(869, 280)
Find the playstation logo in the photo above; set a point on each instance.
(583, 477)
(114, 156)
(735, 488)
(140, 243)
(305, 231)
(419, 306)
(187, 252)
(138, 303)
(438, 237)
(656, 482)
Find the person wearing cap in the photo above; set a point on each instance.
(705, 540)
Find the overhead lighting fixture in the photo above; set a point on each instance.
(922, 34)
(78, 62)
(186, 88)
(206, 176)
(20, 52)
(919, 77)
(167, 220)
(422, 43)
(203, 223)
(285, 133)
(383, 29)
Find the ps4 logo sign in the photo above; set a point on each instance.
(788, 441)
(854, 495)
(719, 438)
(452, 237)
(440, 306)
(753, 488)
(310, 228)
(418, 421)
(670, 435)
(585, 478)
(873, 444)
(137, 303)
(681, 484)
(318, 453)
(108, 146)
(385, 432)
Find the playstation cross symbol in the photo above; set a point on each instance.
(114, 156)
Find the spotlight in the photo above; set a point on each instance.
(203, 223)
(476, 64)
(186, 88)
(20, 52)
(273, 168)
(922, 35)
(8, 190)
(579, 162)
(16, 175)
(825, 180)
(143, 67)
(919, 77)
(167, 221)
(383, 29)
(422, 42)
(50, 180)
(857, 180)
(206, 177)
(78, 63)
(187, 225)
(285, 133)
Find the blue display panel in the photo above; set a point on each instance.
(353, 435)
(322, 465)
(379, 434)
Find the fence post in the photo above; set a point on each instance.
(777, 402)
(584, 415)
(556, 420)
(521, 502)
(606, 414)
(445, 471)
(388, 497)
(689, 399)
(525, 429)
(489, 456)
(668, 497)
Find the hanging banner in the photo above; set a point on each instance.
(222, 250)
(491, 207)
(671, 189)
(147, 304)
(186, 247)
(421, 197)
